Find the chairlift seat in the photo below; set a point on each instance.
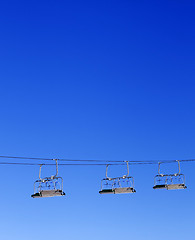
(175, 186)
(106, 191)
(124, 190)
(170, 186)
(160, 186)
(118, 190)
(48, 193)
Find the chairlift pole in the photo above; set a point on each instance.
(125, 176)
(40, 171)
(159, 169)
(56, 160)
(107, 171)
(178, 166)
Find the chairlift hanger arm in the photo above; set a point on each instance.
(125, 176)
(40, 171)
(179, 169)
(56, 170)
(107, 172)
(56, 167)
(179, 166)
(159, 169)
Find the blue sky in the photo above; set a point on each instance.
(97, 80)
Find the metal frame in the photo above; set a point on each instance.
(120, 180)
(168, 179)
(39, 190)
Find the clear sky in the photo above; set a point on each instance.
(97, 80)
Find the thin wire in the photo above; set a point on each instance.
(61, 164)
(85, 164)
(103, 162)
(51, 159)
(74, 160)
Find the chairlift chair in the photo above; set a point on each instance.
(48, 186)
(124, 184)
(169, 181)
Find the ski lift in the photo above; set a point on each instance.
(124, 184)
(169, 181)
(48, 186)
